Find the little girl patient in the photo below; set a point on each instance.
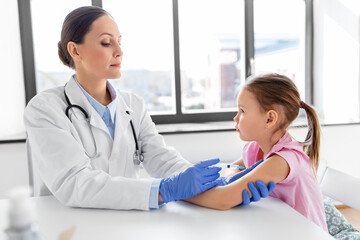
(267, 105)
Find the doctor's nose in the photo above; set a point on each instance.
(118, 52)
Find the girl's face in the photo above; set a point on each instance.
(251, 118)
(100, 53)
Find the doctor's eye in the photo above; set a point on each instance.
(105, 44)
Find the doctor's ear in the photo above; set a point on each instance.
(73, 51)
(272, 118)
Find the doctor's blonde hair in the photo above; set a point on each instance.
(276, 89)
(76, 25)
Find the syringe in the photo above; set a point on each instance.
(225, 165)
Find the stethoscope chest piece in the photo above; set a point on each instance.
(138, 157)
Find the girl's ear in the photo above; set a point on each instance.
(272, 118)
(73, 51)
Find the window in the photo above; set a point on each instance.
(147, 42)
(337, 61)
(210, 47)
(12, 94)
(46, 25)
(279, 31)
(185, 58)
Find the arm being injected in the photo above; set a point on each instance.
(223, 197)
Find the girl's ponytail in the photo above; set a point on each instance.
(312, 140)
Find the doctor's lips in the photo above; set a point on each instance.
(116, 65)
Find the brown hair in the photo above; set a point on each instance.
(76, 25)
(277, 90)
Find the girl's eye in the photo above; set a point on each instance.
(105, 44)
(242, 110)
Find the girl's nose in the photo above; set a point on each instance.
(236, 116)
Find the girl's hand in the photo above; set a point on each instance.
(228, 172)
(227, 180)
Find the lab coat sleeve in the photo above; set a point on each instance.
(65, 168)
(161, 161)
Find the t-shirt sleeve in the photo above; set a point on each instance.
(249, 153)
(292, 160)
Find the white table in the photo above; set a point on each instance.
(268, 219)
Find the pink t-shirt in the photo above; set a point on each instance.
(299, 189)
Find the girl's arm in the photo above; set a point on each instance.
(274, 169)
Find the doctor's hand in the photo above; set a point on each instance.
(192, 181)
(257, 193)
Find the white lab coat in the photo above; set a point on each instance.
(63, 152)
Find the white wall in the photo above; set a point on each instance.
(339, 148)
(13, 167)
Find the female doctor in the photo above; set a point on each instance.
(86, 140)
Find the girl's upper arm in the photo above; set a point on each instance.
(275, 169)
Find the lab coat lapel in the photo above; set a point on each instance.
(77, 97)
(118, 159)
(122, 118)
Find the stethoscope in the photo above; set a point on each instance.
(138, 157)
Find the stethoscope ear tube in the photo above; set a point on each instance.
(73, 105)
(133, 131)
(138, 156)
(78, 107)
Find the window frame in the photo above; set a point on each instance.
(179, 117)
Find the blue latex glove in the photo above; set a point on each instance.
(226, 180)
(257, 193)
(192, 181)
